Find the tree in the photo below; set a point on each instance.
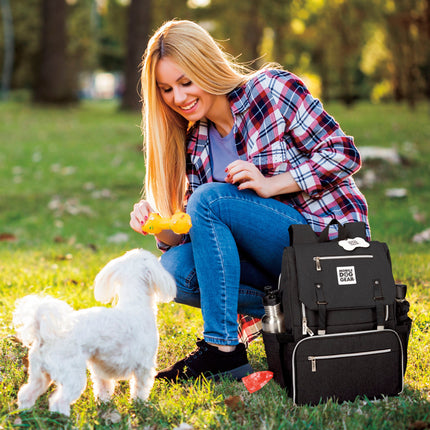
(8, 47)
(278, 17)
(139, 27)
(408, 29)
(52, 81)
(240, 23)
(339, 38)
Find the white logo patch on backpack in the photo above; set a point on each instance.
(346, 275)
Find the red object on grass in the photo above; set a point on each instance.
(257, 380)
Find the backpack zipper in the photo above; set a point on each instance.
(305, 329)
(313, 358)
(337, 257)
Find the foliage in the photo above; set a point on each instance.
(358, 49)
(27, 22)
(68, 180)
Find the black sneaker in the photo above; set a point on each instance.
(209, 361)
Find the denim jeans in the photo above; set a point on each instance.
(237, 241)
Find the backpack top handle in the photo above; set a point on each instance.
(349, 230)
(303, 233)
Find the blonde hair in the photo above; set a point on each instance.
(209, 67)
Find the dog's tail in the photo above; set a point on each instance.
(41, 318)
(137, 271)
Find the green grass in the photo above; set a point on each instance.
(68, 180)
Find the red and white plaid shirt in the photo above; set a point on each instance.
(280, 127)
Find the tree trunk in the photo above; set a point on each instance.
(139, 25)
(52, 75)
(8, 48)
(253, 31)
(427, 44)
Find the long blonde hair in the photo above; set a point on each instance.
(209, 67)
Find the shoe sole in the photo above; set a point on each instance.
(238, 373)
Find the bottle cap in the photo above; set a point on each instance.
(401, 291)
(271, 298)
(267, 289)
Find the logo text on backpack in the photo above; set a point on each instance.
(346, 275)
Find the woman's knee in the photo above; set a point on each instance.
(206, 194)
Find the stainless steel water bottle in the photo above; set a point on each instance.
(273, 319)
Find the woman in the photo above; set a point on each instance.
(246, 154)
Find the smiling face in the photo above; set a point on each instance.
(181, 94)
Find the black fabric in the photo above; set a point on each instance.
(403, 327)
(276, 356)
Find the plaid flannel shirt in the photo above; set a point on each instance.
(280, 127)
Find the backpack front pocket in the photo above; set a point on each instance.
(343, 366)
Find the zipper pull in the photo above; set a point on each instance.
(304, 321)
(305, 329)
(309, 331)
(313, 363)
(317, 264)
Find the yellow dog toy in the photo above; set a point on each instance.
(179, 222)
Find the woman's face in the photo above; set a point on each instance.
(180, 93)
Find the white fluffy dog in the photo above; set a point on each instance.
(115, 343)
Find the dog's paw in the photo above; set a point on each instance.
(26, 398)
(103, 397)
(60, 407)
(25, 404)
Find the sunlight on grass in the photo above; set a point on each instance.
(68, 181)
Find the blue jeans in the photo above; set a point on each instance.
(237, 241)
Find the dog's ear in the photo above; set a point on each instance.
(105, 284)
(162, 281)
(132, 270)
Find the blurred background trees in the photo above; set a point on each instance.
(345, 50)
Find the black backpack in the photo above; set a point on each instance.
(346, 323)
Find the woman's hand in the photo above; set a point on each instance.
(139, 215)
(248, 176)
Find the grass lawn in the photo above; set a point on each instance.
(68, 181)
